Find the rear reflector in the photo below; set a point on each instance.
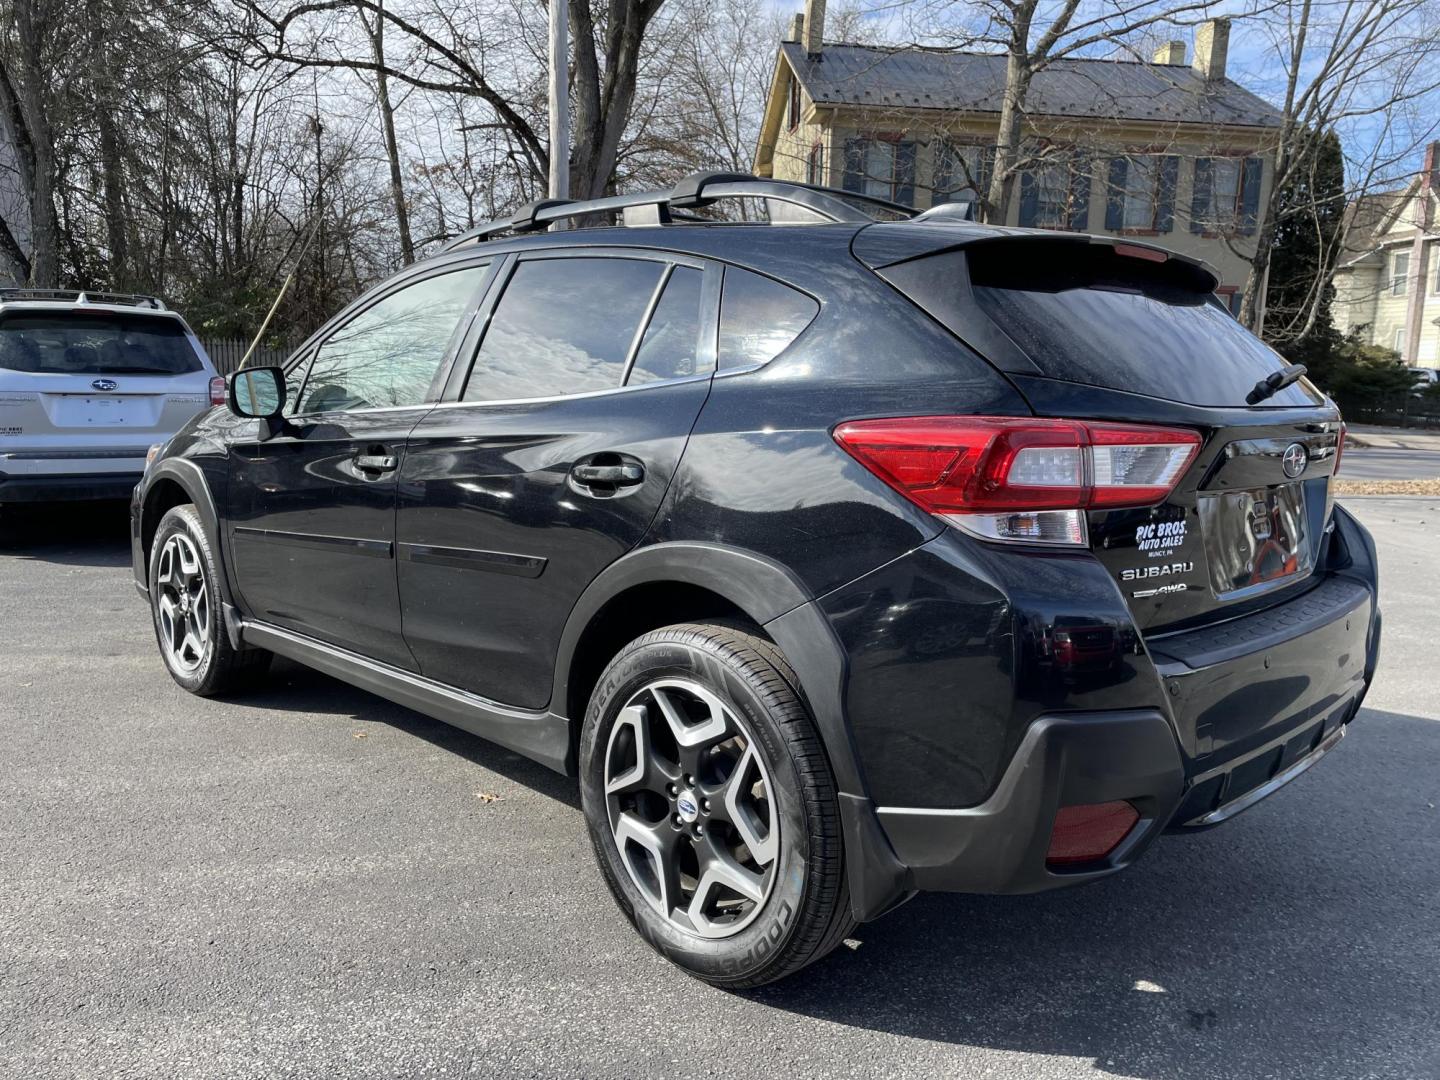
(1007, 478)
(1083, 834)
(217, 390)
(1340, 446)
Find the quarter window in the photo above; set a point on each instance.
(563, 326)
(759, 318)
(390, 353)
(667, 351)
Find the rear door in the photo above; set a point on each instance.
(80, 383)
(549, 460)
(311, 511)
(1090, 330)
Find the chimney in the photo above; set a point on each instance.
(1212, 44)
(797, 29)
(1430, 173)
(814, 27)
(1172, 52)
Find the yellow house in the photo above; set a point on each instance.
(1388, 289)
(1167, 150)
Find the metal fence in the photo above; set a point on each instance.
(226, 354)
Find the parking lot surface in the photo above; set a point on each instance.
(308, 881)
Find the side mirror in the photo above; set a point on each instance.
(258, 392)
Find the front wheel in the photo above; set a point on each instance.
(712, 807)
(185, 606)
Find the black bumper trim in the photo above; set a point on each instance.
(44, 488)
(1071, 759)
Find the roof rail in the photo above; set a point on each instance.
(693, 192)
(81, 296)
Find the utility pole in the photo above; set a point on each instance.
(559, 102)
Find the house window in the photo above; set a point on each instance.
(1230, 296)
(1056, 195)
(815, 165)
(1400, 340)
(1142, 184)
(1399, 273)
(883, 168)
(1226, 197)
(961, 172)
(793, 109)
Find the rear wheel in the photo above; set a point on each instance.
(185, 606)
(712, 807)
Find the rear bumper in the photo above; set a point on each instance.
(57, 487)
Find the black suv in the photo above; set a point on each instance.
(840, 558)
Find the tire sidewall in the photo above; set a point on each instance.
(743, 954)
(183, 519)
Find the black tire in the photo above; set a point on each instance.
(216, 667)
(806, 911)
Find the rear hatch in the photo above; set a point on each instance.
(74, 377)
(1091, 329)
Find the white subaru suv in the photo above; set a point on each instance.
(88, 383)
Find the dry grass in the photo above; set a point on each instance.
(1386, 487)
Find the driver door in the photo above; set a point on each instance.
(312, 510)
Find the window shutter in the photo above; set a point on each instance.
(1115, 195)
(1165, 200)
(1029, 200)
(1080, 169)
(904, 190)
(1200, 200)
(1250, 195)
(854, 165)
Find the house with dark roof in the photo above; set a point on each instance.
(1170, 150)
(1387, 287)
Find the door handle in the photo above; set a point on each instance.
(619, 475)
(376, 462)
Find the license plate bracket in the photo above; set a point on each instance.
(1255, 538)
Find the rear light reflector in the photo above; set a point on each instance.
(1340, 446)
(217, 390)
(1083, 834)
(1007, 478)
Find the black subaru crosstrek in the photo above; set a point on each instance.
(840, 557)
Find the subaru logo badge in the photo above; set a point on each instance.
(104, 384)
(689, 811)
(1294, 460)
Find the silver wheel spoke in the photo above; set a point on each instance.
(182, 603)
(691, 808)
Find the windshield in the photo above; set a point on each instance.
(86, 343)
(1091, 316)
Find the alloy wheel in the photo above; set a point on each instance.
(691, 808)
(182, 603)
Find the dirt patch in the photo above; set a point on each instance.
(1386, 487)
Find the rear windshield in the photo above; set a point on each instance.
(1087, 315)
(81, 343)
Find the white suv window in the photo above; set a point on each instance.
(85, 343)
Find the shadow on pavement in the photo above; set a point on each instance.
(69, 534)
(1209, 958)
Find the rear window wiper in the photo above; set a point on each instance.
(1273, 383)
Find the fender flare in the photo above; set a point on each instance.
(768, 593)
(191, 480)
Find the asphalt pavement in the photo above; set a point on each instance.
(1374, 463)
(310, 882)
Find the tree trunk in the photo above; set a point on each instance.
(35, 141)
(1007, 142)
(392, 148)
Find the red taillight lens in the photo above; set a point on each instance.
(217, 390)
(1083, 834)
(969, 468)
(1340, 446)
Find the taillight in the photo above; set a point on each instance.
(1340, 446)
(1030, 480)
(217, 390)
(1083, 834)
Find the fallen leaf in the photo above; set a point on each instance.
(360, 735)
(487, 796)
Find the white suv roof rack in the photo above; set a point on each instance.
(80, 296)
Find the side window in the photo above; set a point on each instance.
(563, 326)
(390, 353)
(759, 318)
(667, 351)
